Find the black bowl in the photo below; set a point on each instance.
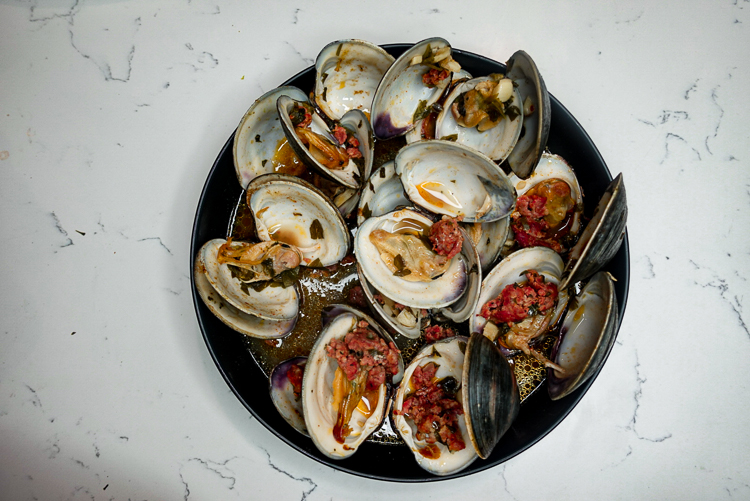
(539, 414)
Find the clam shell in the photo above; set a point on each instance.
(496, 142)
(491, 397)
(477, 188)
(259, 134)
(449, 355)
(317, 393)
(491, 241)
(385, 315)
(602, 237)
(272, 303)
(347, 74)
(401, 91)
(528, 150)
(282, 394)
(462, 309)
(587, 335)
(350, 175)
(242, 322)
(285, 208)
(440, 292)
(381, 194)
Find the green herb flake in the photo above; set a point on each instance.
(512, 112)
(462, 346)
(366, 212)
(323, 77)
(451, 137)
(372, 186)
(257, 138)
(422, 111)
(325, 94)
(338, 49)
(316, 230)
(435, 353)
(401, 269)
(382, 173)
(316, 263)
(263, 163)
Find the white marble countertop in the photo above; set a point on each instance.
(111, 114)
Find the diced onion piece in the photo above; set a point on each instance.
(452, 66)
(441, 54)
(491, 331)
(415, 60)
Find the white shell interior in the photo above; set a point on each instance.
(437, 293)
(348, 73)
(450, 362)
(317, 396)
(273, 303)
(382, 193)
(253, 157)
(285, 211)
(496, 142)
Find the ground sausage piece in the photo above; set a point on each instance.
(434, 77)
(516, 301)
(340, 134)
(446, 237)
(294, 375)
(433, 410)
(363, 349)
(437, 332)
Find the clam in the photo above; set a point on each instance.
(260, 146)
(347, 73)
(563, 205)
(271, 303)
(602, 237)
(286, 391)
(587, 335)
(402, 97)
(288, 209)
(397, 318)
(410, 285)
(317, 146)
(471, 372)
(537, 114)
(333, 434)
(490, 124)
(489, 239)
(448, 178)
(236, 319)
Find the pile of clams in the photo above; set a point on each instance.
(466, 240)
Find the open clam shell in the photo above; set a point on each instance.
(536, 126)
(242, 322)
(347, 74)
(587, 335)
(448, 354)
(259, 140)
(462, 309)
(401, 93)
(381, 194)
(510, 270)
(317, 389)
(496, 142)
(286, 402)
(602, 236)
(349, 174)
(448, 178)
(288, 209)
(437, 293)
(489, 239)
(491, 397)
(271, 303)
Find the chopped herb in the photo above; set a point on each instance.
(382, 173)
(372, 187)
(316, 263)
(316, 230)
(298, 214)
(422, 111)
(288, 278)
(401, 269)
(263, 163)
(338, 49)
(366, 212)
(356, 175)
(323, 77)
(488, 240)
(359, 125)
(462, 346)
(435, 353)
(257, 138)
(452, 137)
(512, 112)
(325, 94)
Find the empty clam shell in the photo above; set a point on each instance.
(286, 402)
(587, 335)
(381, 194)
